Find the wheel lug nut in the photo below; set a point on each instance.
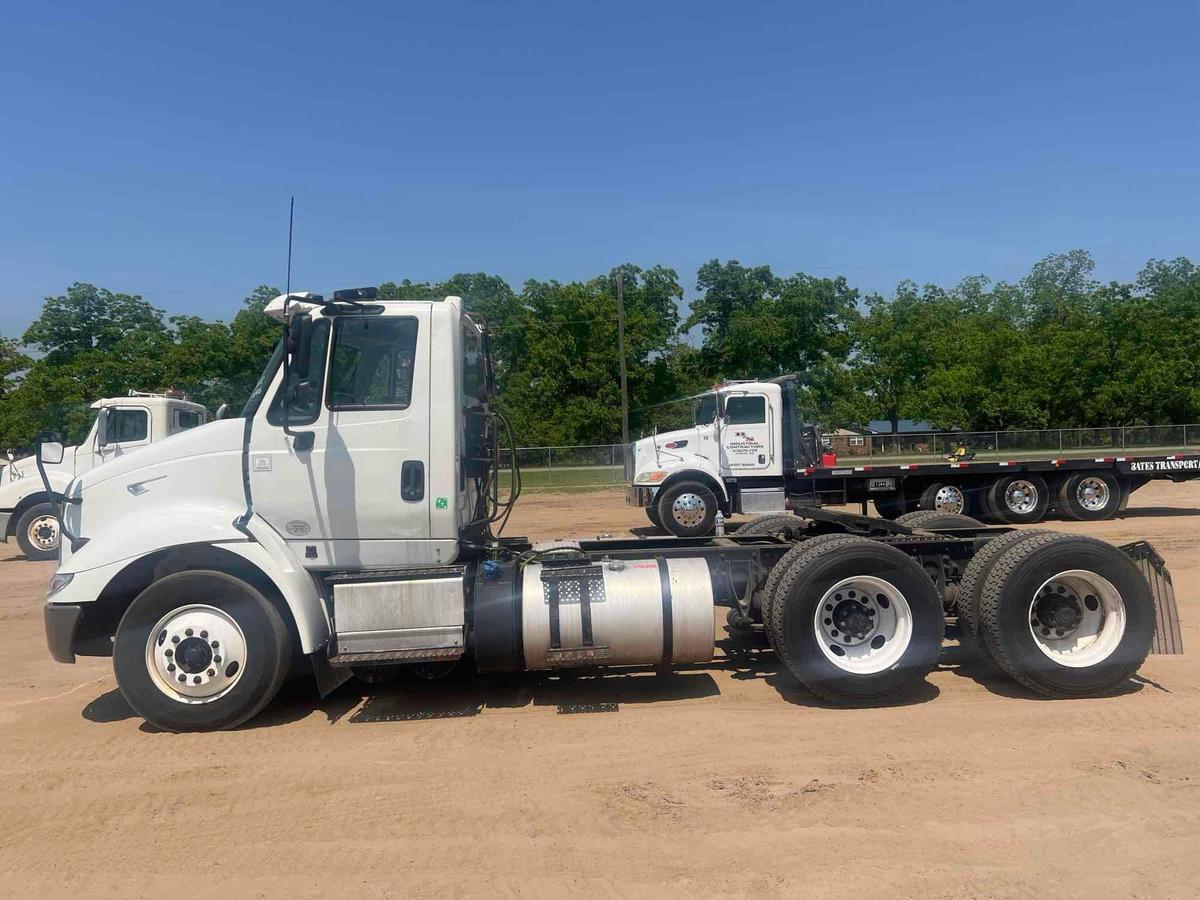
(216, 659)
(170, 667)
(204, 634)
(216, 644)
(188, 632)
(169, 653)
(175, 639)
(182, 678)
(212, 672)
(196, 680)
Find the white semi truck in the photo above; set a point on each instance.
(122, 425)
(347, 520)
(748, 451)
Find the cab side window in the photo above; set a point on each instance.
(186, 419)
(746, 410)
(127, 426)
(373, 362)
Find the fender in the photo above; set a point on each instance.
(698, 470)
(134, 537)
(18, 495)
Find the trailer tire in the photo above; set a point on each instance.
(213, 618)
(885, 599)
(945, 498)
(1088, 496)
(1020, 499)
(932, 520)
(783, 525)
(1067, 615)
(970, 588)
(39, 531)
(687, 508)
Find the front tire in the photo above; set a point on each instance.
(39, 532)
(687, 509)
(200, 651)
(855, 620)
(652, 515)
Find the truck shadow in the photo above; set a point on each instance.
(988, 675)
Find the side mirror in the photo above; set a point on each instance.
(300, 343)
(222, 410)
(50, 452)
(102, 428)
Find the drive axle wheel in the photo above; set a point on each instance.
(199, 651)
(1067, 616)
(855, 620)
(970, 588)
(39, 532)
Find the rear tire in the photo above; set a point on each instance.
(945, 498)
(1020, 499)
(176, 655)
(39, 532)
(1088, 496)
(970, 588)
(856, 620)
(1067, 615)
(784, 525)
(932, 520)
(687, 509)
(890, 507)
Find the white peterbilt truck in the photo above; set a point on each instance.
(346, 521)
(122, 425)
(748, 451)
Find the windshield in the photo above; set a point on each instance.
(264, 381)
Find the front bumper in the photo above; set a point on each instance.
(62, 621)
(639, 496)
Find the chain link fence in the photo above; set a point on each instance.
(603, 465)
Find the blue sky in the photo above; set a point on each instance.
(153, 147)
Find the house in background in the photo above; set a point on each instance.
(850, 441)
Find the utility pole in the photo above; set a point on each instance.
(621, 351)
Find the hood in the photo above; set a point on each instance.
(219, 437)
(656, 457)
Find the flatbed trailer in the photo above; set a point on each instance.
(1014, 491)
(749, 452)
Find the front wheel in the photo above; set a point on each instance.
(652, 515)
(200, 651)
(39, 532)
(687, 509)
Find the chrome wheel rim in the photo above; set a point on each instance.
(1077, 618)
(43, 532)
(1021, 496)
(863, 625)
(196, 654)
(1092, 493)
(949, 499)
(689, 510)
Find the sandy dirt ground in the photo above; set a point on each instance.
(723, 779)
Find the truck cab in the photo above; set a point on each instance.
(120, 426)
(744, 440)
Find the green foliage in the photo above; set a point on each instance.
(1055, 349)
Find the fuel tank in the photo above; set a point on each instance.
(626, 612)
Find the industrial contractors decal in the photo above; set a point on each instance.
(1164, 465)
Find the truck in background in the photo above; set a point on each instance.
(122, 425)
(748, 451)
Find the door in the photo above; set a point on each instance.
(127, 428)
(346, 480)
(746, 435)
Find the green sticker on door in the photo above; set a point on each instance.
(441, 503)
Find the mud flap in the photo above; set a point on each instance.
(329, 677)
(1167, 637)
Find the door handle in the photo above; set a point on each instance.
(412, 480)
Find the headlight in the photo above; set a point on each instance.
(651, 477)
(59, 581)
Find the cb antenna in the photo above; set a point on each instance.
(287, 293)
